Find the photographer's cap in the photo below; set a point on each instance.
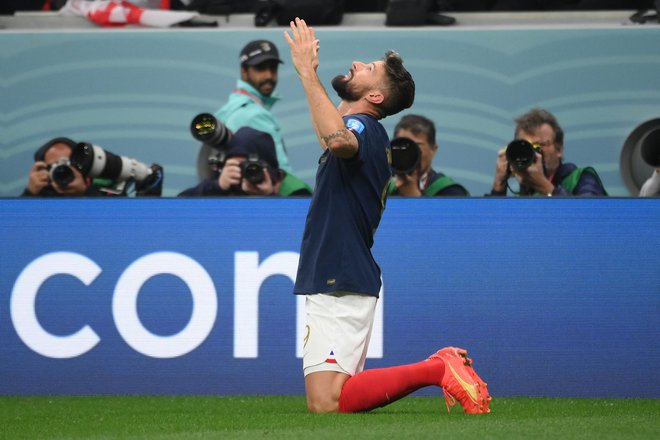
(258, 51)
(40, 154)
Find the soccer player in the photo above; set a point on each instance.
(337, 271)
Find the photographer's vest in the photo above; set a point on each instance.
(440, 184)
(569, 183)
(433, 189)
(294, 186)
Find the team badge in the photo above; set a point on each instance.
(355, 125)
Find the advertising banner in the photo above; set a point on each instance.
(551, 297)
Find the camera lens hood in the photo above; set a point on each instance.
(405, 155)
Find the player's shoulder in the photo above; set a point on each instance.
(360, 123)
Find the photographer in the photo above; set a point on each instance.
(250, 167)
(424, 180)
(50, 161)
(546, 174)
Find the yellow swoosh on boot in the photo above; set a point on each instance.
(471, 389)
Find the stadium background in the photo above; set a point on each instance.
(135, 91)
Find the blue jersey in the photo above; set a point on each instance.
(346, 207)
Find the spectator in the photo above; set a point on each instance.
(548, 175)
(651, 188)
(264, 177)
(52, 175)
(249, 104)
(425, 180)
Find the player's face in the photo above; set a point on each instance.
(262, 77)
(360, 79)
(426, 149)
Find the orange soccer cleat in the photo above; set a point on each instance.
(460, 381)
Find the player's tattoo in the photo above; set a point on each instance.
(342, 134)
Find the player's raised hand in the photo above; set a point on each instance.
(304, 47)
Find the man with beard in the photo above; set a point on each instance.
(249, 104)
(337, 272)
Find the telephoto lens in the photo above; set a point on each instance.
(405, 155)
(520, 154)
(93, 161)
(206, 128)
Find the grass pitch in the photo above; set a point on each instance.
(286, 417)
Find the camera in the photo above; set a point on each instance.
(521, 154)
(252, 169)
(61, 172)
(114, 172)
(650, 147)
(405, 155)
(215, 137)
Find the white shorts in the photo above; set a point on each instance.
(337, 332)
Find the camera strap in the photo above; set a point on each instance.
(250, 95)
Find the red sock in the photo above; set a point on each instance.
(379, 387)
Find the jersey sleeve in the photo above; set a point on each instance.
(359, 129)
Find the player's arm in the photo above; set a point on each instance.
(328, 123)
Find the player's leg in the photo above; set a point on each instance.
(449, 369)
(322, 389)
(336, 343)
(335, 347)
(381, 386)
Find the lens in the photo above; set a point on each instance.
(62, 175)
(206, 128)
(520, 154)
(405, 155)
(203, 126)
(252, 171)
(82, 157)
(650, 147)
(94, 161)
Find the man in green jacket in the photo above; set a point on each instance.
(250, 103)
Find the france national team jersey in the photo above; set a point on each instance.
(346, 207)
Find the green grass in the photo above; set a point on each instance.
(286, 417)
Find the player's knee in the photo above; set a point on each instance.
(322, 405)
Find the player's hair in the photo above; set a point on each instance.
(400, 87)
(533, 119)
(418, 125)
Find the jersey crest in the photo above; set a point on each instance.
(355, 125)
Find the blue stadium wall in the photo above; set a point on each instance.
(134, 92)
(553, 297)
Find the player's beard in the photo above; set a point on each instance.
(342, 86)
